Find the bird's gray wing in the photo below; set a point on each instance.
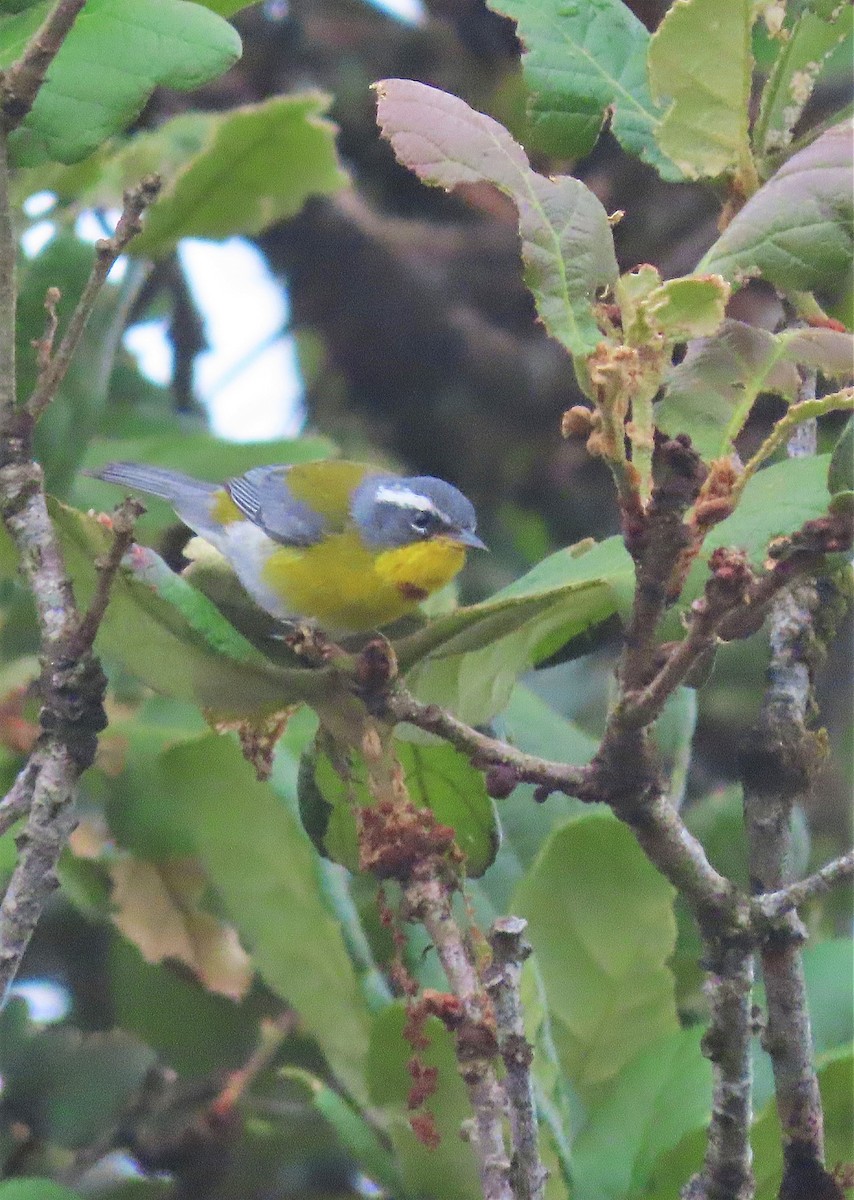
(264, 498)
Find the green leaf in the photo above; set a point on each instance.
(794, 76)
(258, 165)
(602, 927)
(796, 231)
(689, 307)
(263, 868)
(117, 52)
(840, 473)
(437, 777)
(829, 973)
(710, 394)
(776, 501)
(663, 1094)
(35, 1189)
(581, 60)
(701, 56)
(449, 1170)
(567, 247)
(471, 658)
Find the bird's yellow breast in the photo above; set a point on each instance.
(346, 586)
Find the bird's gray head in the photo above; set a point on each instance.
(389, 511)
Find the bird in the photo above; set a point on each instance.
(342, 545)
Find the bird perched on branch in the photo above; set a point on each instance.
(340, 543)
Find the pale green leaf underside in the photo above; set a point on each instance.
(117, 52)
(581, 59)
(602, 940)
(567, 247)
(259, 165)
(796, 231)
(700, 57)
(662, 1095)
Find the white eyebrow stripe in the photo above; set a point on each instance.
(405, 498)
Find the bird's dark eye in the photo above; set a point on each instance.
(422, 522)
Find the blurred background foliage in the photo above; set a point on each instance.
(197, 933)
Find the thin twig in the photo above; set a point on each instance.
(123, 520)
(43, 346)
(107, 250)
(487, 751)
(503, 983)
(428, 901)
(21, 83)
(772, 905)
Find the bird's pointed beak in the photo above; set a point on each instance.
(466, 538)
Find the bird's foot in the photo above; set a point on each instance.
(310, 643)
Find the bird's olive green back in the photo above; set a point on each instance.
(327, 487)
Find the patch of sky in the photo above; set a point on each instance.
(47, 1001)
(409, 12)
(249, 378)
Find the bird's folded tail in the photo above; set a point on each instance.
(194, 500)
(157, 481)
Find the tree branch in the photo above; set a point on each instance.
(8, 291)
(34, 879)
(503, 983)
(624, 774)
(21, 83)
(727, 1168)
(72, 683)
(399, 705)
(777, 773)
(657, 825)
